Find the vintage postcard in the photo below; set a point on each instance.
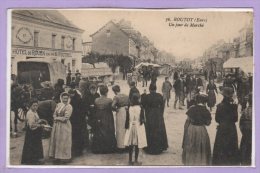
(130, 87)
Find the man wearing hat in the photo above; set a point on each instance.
(229, 82)
(179, 87)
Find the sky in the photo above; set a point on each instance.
(183, 42)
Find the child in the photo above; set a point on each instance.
(135, 136)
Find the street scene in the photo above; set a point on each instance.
(131, 88)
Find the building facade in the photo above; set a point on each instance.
(45, 34)
(165, 58)
(112, 40)
(246, 41)
(86, 48)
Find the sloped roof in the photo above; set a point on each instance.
(113, 22)
(129, 31)
(52, 16)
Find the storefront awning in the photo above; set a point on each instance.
(244, 63)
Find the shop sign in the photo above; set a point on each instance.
(40, 53)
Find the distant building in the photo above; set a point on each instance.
(223, 51)
(165, 58)
(246, 41)
(45, 34)
(112, 39)
(234, 50)
(86, 48)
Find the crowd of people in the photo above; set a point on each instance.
(83, 119)
(145, 74)
(196, 141)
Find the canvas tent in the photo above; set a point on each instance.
(244, 63)
(146, 64)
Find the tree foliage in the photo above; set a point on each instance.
(113, 61)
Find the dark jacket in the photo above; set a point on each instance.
(179, 85)
(225, 150)
(132, 92)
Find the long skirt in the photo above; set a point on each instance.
(186, 125)
(120, 127)
(78, 136)
(104, 140)
(246, 147)
(32, 149)
(156, 134)
(225, 150)
(61, 141)
(211, 98)
(196, 148)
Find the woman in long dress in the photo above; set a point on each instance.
(155, 128)
(119, 104)
(196, 145)
(225, 150)
(61, 136)
(78, 123)
(32, 149)
(211, 89)
(104, 140)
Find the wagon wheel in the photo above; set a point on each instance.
(22, 114)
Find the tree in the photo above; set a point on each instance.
(113, 61)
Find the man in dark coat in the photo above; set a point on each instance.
(191, 85)
(243, 89)
(68, 78)
(206, 75)
(166, 90)
(88, 102)
(179, 87)
(78, 78)
(154, 76)
(229, 82)
(58, 89)
(175, 76)
(199, 83)
(155, 128)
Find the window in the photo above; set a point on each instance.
(108, 33)
(73, 43)
(36, 38)
(63, 61)
(73, 65)
(53, 38)
(68, 66)
(62, 42)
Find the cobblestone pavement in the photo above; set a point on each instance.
(174, 120)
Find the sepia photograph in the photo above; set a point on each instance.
(96, 87)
